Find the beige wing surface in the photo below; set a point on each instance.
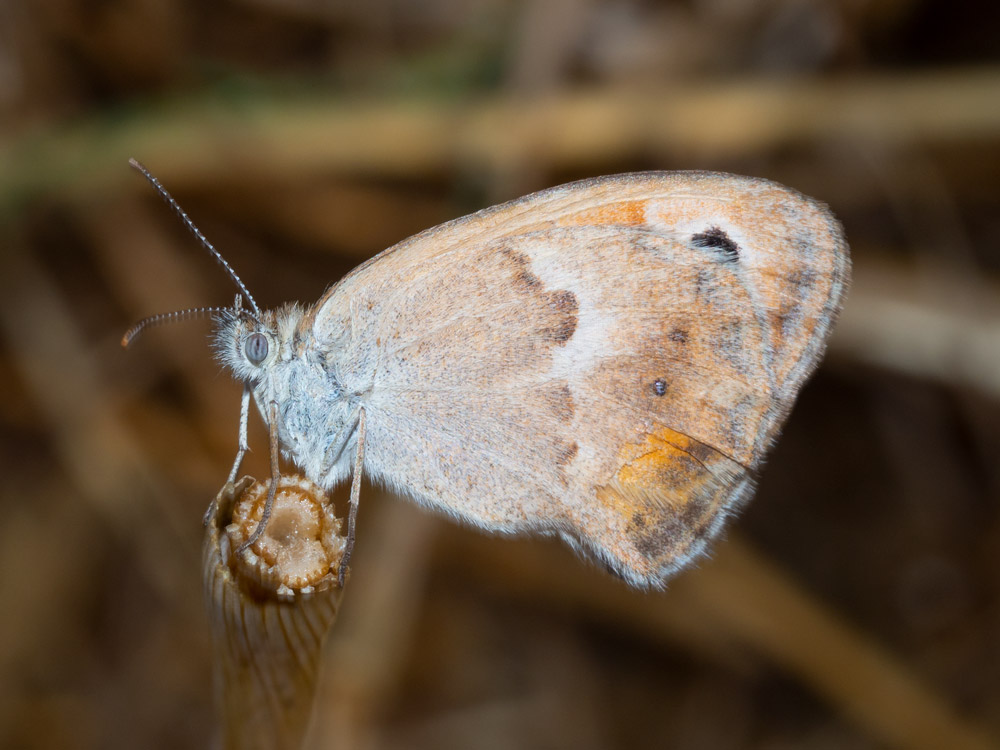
(608, 360)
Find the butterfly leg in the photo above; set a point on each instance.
(244, 441)
(244, 446)
(275, 475)
(359, 459)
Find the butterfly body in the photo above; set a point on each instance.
(608, 361)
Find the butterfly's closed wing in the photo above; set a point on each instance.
(608, 360)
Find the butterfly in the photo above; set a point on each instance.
(608, 361)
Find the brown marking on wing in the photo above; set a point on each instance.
(560, 324)
(566, 454)
(493, 321)
(559, 400)
(678, 336)
(521, 269)
(564, 303)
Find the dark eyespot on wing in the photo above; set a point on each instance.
(714, 238)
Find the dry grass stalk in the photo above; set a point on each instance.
(737, 599)
(192, 140)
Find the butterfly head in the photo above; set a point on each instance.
(245, 342)
(251, 344)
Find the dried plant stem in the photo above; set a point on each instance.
(192, 140)
(766, 610)
(930, 325)
(270, 609)
(736, 598)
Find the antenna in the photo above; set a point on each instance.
(170, 317)
(169, 199)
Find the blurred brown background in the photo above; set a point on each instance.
(855, 604)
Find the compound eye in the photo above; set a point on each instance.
(256, 348)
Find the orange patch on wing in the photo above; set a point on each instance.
(665, 495)
(668, 462)
(625, 213)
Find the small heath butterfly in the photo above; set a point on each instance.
(607, 361)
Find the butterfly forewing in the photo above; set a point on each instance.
(608, 360)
